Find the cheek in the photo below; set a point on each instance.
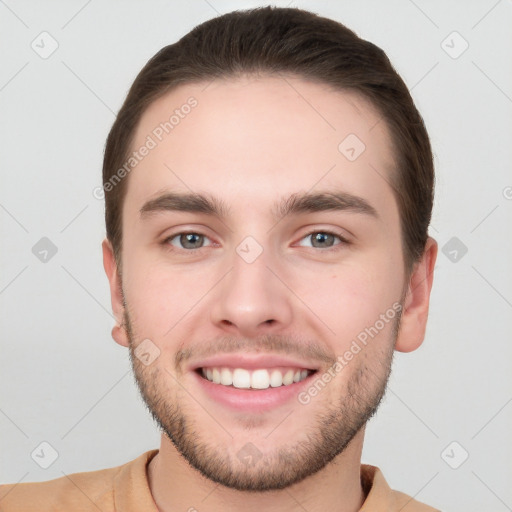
(161, 298)
(352, 298)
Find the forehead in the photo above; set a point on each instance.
(263, 137)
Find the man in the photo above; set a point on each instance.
(268, 185)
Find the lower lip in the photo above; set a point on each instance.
(252, 400)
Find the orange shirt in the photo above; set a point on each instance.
(126, 489)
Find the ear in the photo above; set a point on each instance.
(415, 313)
(116, 294)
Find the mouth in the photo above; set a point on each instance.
(257, 379)
(252, 383)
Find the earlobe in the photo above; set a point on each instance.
(119, 335)
(116, 293)
(416, 303)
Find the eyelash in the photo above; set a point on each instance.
(342, 240)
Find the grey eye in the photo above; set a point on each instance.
(320, 239)
(188, 241)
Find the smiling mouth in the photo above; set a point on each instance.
(257, 379)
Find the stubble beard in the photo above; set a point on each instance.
(328, 434)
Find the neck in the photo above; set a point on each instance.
(175, 485)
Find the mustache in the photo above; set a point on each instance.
(267, 343)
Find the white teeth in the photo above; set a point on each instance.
(226, 377)
(255, 379)
(287, 377)
(260, 379)
(276, 378)
(241, 378)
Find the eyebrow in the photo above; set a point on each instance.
(178, 202)
(324, 201)
(298, 203)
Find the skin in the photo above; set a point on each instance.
(252, 142)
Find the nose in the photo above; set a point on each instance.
(251, 300)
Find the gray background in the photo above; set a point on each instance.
(65, 382)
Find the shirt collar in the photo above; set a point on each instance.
(132, 492)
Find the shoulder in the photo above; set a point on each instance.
(381, 497)
(407, 504)
(80, 492)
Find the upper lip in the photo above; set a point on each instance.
(251, 362)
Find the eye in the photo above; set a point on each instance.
(322, 240)
(188, 241)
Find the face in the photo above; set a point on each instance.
(262, 275)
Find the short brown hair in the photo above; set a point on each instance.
(273, 40)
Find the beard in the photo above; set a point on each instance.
(326, 436)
